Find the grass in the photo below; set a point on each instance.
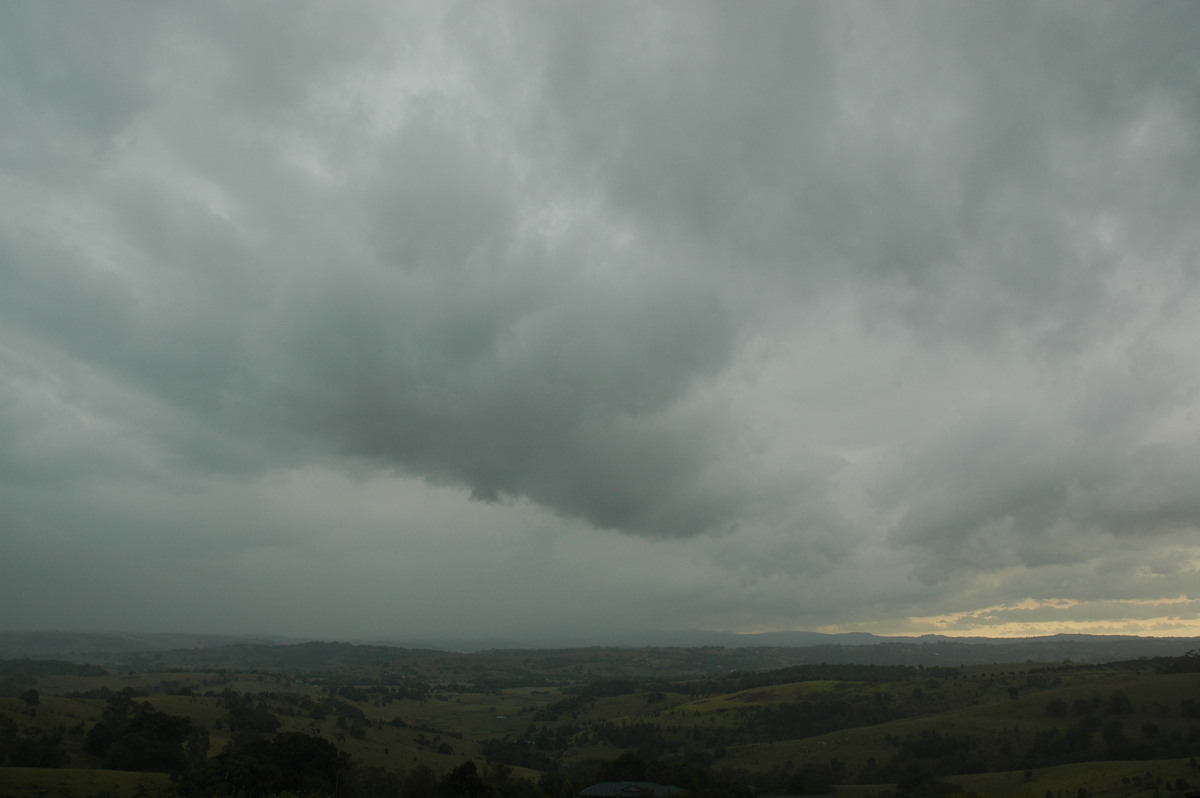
(1000, 705)
(1108, 779)
(81, 783)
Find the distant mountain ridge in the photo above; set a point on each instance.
(64, 645)
(144, 649)
(699, 637)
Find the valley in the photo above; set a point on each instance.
(536, 723)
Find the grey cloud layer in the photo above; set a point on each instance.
(853, 277)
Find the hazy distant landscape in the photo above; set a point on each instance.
(707, 649)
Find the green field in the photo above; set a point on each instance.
(1123, 729)
(19, 782)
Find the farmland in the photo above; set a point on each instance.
(394, 721)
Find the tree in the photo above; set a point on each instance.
(31, 699)
(8, 737)
(135, 736)
(556, 785)
(464, 782)
(247, 720)
(1120, 704)
(626, 767)
(196, 747)
(38, 751)
(421, 781)
(292, 761)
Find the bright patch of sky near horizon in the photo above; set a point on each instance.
(484, 320)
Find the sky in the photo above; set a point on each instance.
(341, 320)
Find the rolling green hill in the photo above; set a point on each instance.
(1119, 729)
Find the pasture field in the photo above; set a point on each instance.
(1125, 730)
(1161, 778)
(20, 782)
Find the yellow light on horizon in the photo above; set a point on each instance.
(1178, 616)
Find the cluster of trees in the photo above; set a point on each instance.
(389, 689)
(1107, 726)
(1105, 718)
(33, 749)
(839, 672)
(132, 735)
(27, 669)
(519, 753)
(18, 675)
(1188, 663)
(303, 764)
(1117, 703)
(291, 761)
(797, 719)
(248, 719)
(754, 724)
(260, 761)
(671, 747)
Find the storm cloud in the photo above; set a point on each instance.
(822, 315)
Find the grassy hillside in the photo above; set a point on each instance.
(18, 782)
(1123, 729)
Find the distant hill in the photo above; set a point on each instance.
(670, 654)
(68, 645)
(686, 638)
